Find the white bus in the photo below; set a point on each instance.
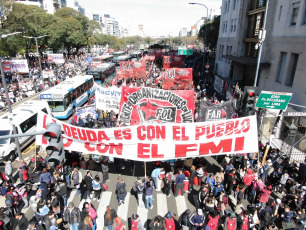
(65, 97)
(24, 118)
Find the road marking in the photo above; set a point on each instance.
(71, 196)
(180, 205)
(162, 208)
(142, 213)
(123, 208)
(104, 202)
(27, 150)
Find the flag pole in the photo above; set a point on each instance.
(145, 168)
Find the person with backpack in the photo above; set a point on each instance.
(213, 220)
(136, 223)
(197, 220)
(230, 222)
(138, 188)
(169, 221)
(121, 190)
(184, 220)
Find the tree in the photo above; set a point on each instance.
(212, 33)
(5, 9)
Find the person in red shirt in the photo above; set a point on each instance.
(213, 220)
(230, 222)
(245, 223)
(170, 225)
(248, 179)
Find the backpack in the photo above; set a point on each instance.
(3, 190)
(225, 199)
(9, 201)
(104, 187)
(266, 216)
(122, 190)
(167, 180)
(134, 225)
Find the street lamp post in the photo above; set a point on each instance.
(205, 31)
(8, 102)
(39, 61)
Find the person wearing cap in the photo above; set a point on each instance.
(230, 222)
(197, 220)
(109, 216)
(170, 225)
(136, 223)
(139, 186)
(72, 215)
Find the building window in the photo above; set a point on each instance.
(228, 5)
(280, 12)
(282, 63)
(225, 7)
(304, 16)
(232, 25)
(293, 64)
(235, 25)
(295, 13)
(226, 27)
(234, 4)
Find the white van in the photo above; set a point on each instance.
(25, 119)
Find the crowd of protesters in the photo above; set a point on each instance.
(242, 194)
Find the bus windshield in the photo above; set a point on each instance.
(56, 106)
(4, 133)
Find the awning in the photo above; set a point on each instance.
(245, 60)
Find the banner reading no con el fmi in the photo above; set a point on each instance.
(159, 141)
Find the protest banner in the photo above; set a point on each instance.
(108, 99)
(167, 62)
(212, 112)
(151, 105)
(18, 66)
(155, 142)
(177, 78)
(132, 69)
(56, 58)
(82, 112)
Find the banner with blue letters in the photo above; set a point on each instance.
(108, 99)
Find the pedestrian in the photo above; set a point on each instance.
(193, 175)
(91, 212)
(45, 177)
(139, 189)
(155, 175)
(61, 190)
(230, 222)
(8, 171)
(213, 220)
(265, 195)
(118, 224)
(96, 185)
(168, 182)
(197, 220)
(109, 216)
(21, 221)
(184, 220)
(88, 184)
(22, 171)
(148, 193)
(23, 193)
(105, 169)
(179, 183)
(169, 221)
(231, 182)
(211, 181)
(157, 223)
(76, 178)
(136, 223)
(121, 190)
(91, 164)
(86, 224)
(72, 216)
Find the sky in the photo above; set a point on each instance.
(158, 17)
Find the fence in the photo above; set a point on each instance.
(293, 146)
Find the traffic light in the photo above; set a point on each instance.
(54, 149)
(250, 102)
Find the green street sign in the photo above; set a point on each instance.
(184, 51)
(273, 100)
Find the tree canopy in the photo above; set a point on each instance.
(212, 33)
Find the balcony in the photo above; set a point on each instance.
(257, 6)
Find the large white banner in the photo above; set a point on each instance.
(159, 141)
(19, 66)
(56, 58)
(108, 98)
